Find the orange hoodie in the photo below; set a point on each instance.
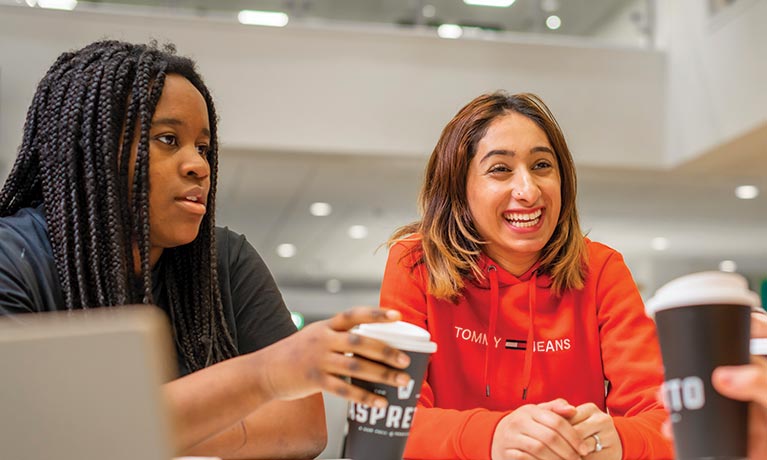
(509, 341)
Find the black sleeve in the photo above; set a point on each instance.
(260, 315)
(28, 282)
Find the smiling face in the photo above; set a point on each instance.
(179, 173)
(513, 190)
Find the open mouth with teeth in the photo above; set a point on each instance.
(523, 220)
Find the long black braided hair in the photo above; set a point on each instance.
(74, 159)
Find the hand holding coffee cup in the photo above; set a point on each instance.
(703, 322)
(380, 433)
(749, 383)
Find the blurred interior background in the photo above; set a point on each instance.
(330, 108)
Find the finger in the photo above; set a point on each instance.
(363, 369)
(516, 454)
(586, 428)
(560, 407)
(360, 315)
(557, 433)
(543, 446)
(583, 412)
(346, 390)
(744, 383)
(372, 349)
(758, 325)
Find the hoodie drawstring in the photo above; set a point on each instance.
(527, 370)
(494, 306)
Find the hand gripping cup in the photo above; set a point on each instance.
(381, 433)
(703, 321)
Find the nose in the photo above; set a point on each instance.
(194, 164)
(524, 187)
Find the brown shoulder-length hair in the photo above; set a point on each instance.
(451, 244)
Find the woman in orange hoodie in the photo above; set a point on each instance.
(545, 351)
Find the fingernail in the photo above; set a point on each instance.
(403, 379)
(380, 402)
(392, 314)
(724, 375)
(403, 359)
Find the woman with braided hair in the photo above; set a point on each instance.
(111, 202)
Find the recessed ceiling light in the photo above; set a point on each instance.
(746, 192)
(68, 5)
(728, 266)
(263, 18)
(333, 286)
(449, 31)
(320, 209)
(553, 22)
(660, 243)
(496, 3)
(286, 250)
(358, 232)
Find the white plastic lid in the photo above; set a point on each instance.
(704, 288)
(400, 335)
(759, 347)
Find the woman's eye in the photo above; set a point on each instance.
(542, 165)
(499, 169)
(203, 149)
(167, 139)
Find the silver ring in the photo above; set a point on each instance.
(598, 447)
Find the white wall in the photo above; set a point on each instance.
(717, 73)
(351, 91)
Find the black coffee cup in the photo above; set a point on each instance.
(381, 433)
(703, 321)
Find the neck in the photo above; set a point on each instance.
(154, 256)
(517, 265)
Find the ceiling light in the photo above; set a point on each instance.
(728, 266)
(746, 192)
(358, 232)
(333, 286)
(68, 5)
(262, 18)
(496, 3)
(553, 22)
(449, 31)
(286, 250)
(320, 209)
(660, 243)
(31, 2)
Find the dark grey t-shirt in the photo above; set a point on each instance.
(253, 306)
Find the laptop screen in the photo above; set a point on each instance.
(85, 385)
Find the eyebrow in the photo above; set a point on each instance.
(175, 122)
(511, 153)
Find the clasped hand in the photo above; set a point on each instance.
(556, 430)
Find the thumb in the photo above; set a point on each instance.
(744, 383)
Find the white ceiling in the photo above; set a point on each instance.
(579, 17)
